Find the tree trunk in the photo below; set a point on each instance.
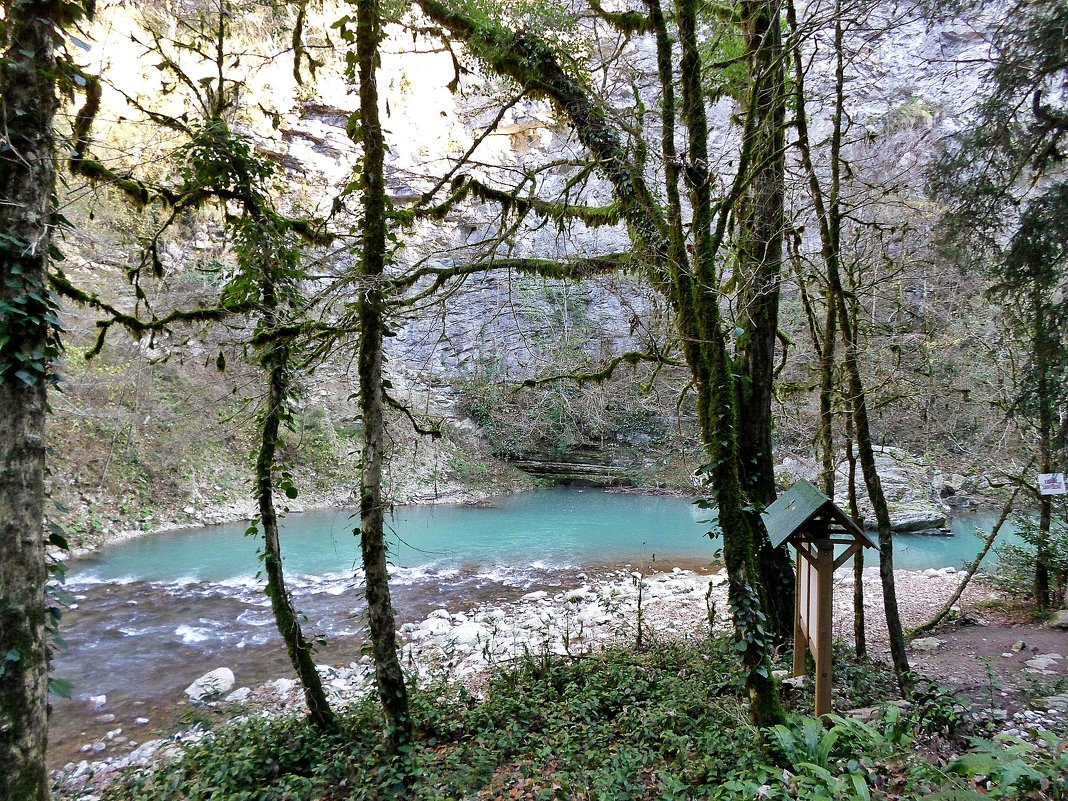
(1045, 451)
(691, 285)
(760, 229)
(830, 216)
(1042, 586)
(23, 645)
(285, 615)
(718, 410)
(860, 634)
(895, 631)
(390, 677)
(27, 347)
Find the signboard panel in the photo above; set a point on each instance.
(1051, 484)
(807, 603)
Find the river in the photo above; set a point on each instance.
(154, 613)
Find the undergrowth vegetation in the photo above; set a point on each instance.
(1016, 559)
(665, 723)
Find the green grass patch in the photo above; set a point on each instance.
(667, 723)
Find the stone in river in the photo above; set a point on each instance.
(211, 684)
(921, 519)
(96, 701)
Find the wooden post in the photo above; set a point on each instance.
(824, 619)
(800, 640)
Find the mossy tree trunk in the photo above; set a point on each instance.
(275, 361)
(220, 167)
(691, 283)
(761, 224)
(1043, 395)
(371, 314)
(28, 73)
(719, 392)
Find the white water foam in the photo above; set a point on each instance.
(192, 634)
(254, 618)
(87, 580)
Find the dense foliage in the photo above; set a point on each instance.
(662, 724)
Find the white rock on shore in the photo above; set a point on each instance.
(211, 685)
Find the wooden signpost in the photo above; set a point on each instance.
(807, 519)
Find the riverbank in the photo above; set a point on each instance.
(465, 644)
(240, 511)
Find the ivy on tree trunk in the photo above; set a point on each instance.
(371, 312)
(28, 344)
(275, 361)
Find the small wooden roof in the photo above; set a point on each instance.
(803, 508)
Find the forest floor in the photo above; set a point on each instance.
(986, 660)
(986, 651)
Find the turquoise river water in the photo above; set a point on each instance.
(553, 528)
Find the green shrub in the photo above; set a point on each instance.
(1016, 568)
(666, 723)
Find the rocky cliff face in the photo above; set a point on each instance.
(909, 83)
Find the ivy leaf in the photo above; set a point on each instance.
(57, 537)
(60, 687)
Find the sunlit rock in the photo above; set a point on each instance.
(211, 685)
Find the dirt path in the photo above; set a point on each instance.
(984, 654)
